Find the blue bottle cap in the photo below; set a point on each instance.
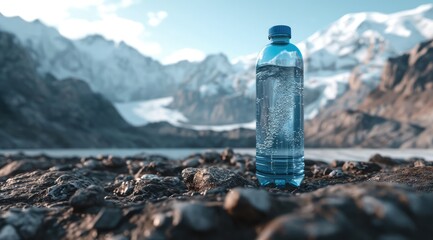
(280, 30)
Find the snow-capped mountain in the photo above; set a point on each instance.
(363, 41)
(360, 40)
(366, 38)
(211, 76)
(118, 71)
(213, 91)
(217, 91)
(215, 75)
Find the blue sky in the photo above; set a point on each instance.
(170, 30)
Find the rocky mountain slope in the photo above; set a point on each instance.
(351, 128)
(40, 111)
(116, 70)
(405, 93)
(397, 113)
(406, 90)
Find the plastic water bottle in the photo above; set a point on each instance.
(279, 110)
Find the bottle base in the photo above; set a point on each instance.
(280, 170)
(279, 181)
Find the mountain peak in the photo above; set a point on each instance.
(94, 38)
(218, 61)
(420, 10)
(216, 57)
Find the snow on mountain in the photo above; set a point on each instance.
(116, 70)
(364, 40)
(212, 76)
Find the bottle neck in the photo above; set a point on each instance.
(280, 39)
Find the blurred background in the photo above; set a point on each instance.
(181, 74)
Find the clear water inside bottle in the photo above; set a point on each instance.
(280, 130)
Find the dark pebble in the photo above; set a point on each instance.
(250, 205)
(107, 218)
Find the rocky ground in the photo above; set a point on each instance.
(211, 195)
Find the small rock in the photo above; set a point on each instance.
(210, 157)
(114, 162)
(188, 175)
(213, 177)
(317, 171)
(67, 185)
(158, 188)
(326, 171)
(125, 188)
(27, 222)
(149, 177)
(420, 163)
(336, 163)
(92, 164)
(227, 154)
(62, 167)
(248, 204)
(84, 198)
(194, 216)
(9, 233)
(337, 173)
(62, 192)
(251, 165)
(191, 162)
(107, 218)
(237, 159)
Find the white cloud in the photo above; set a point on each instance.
(190, 54)
(59, 13)
(155, 18)
(49, 11)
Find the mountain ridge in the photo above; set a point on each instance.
(397, 113)
(355, 42)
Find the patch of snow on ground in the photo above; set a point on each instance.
(250, 125)
(143, 112)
